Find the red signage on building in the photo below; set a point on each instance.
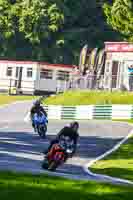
(118, 47)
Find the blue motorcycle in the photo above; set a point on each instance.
(40, 122)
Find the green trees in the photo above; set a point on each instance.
(120, 17)
(27, 24)
(39, 19)
(51, 30)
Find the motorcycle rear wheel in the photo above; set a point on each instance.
(42, 131)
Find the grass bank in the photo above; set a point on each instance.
(15, 186)
(6, 99)
(118, 164)
(81, 97)
(124, 120)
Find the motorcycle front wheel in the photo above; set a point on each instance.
(53, 165)
(45, 164)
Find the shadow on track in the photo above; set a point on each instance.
(21, 149)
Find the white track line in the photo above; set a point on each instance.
(86, 166)
(4, 127)
(102, 156)
(23, 155)
(15, 102)
(104, 177)
(4, 106)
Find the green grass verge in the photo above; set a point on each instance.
(124, 120)
(118, 164)
(15, 186)
(6, 99)
(81, 97)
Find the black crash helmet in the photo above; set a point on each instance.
(37, 103)
(73, 124)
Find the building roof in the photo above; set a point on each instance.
(118, 42)
(39, 63)
(118, 47)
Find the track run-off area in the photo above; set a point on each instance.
(21, 149)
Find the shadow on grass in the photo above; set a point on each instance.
(115, 172)
(123, 157)
(25, 187)
(124, 152)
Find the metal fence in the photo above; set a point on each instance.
(31, 87)
(13, 86)
(103, 82)
(89, 82)
(123, 82)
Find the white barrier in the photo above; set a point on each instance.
(86, 112)
(121, 111)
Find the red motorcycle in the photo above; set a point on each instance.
(57, 155)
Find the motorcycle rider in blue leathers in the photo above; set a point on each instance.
(37, 108)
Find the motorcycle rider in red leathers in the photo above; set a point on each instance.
(70, 131)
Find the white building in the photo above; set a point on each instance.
(118, 66)
(33, 77)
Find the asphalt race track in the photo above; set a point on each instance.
(20, 147)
